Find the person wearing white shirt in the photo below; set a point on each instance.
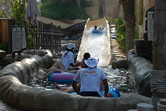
(90, 79)
(67, 60)
(68, 56)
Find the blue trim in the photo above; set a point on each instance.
(97, 32)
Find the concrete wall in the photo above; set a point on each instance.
(146, 5)
(112, 9)
(140, 68)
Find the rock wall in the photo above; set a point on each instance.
(140, 68)
(14, 91)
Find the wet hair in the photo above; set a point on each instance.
(68, 51)
(95, 27)
(86, 55)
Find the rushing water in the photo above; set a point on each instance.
(118, 78)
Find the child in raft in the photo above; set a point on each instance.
(101, 28)
(95, 28)
(98, 30)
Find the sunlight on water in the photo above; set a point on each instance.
(97, 45)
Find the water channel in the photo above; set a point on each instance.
(118, 78)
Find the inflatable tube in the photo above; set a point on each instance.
(64, 77)
(97, 32)
(112, 90)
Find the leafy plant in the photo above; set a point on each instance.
(3, 46)
(110, 21)
(85, 3)
(29, 41)
(122, 40)
(17, 12)
(121, 32)
(62, 10)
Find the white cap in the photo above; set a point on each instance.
(70, 45)
(91, 62)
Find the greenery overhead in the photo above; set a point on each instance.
(17, 12)
(121, 32)
(62, 10)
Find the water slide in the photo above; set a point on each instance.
(97, 44)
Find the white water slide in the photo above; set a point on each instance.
(97, 44)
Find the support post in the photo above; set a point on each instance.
(158, 81)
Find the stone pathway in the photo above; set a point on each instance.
(115, 49)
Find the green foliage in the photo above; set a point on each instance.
(17, 12)
(136, 32)
(120, 26)
(4, 13)
(85, 3)
(110, 21)
(67, 2)
(3, 46)
(122, 40)
(29, 41)
(121, 32)
(62, 9)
